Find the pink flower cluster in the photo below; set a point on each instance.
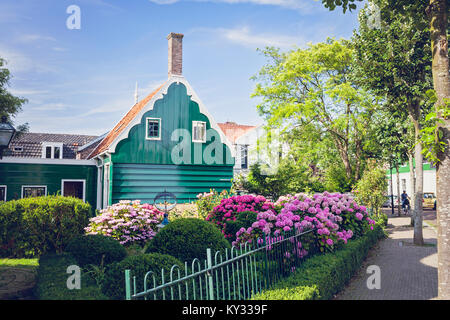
(331, 216)
(127, 221)
(230, 207)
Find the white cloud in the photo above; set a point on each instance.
(245, 37)
(292, 4)
(26, 38)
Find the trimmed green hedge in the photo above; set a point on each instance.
(322, 276)
(31, 227)
(95, 249)
(187, 239)
(51, 280)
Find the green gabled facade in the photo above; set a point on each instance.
(139, 168)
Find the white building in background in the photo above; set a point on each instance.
(251, 146)
(429, 179)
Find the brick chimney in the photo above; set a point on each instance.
(175, 53)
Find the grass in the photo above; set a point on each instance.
(19, 263)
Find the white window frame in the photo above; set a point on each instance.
(52, 145)
(194, 125)
(34, 186)
(159, 129)
(106, 173)
(6, 191)
(74, 180)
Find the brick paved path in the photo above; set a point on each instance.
(408, 272)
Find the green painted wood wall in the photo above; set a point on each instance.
(15, 175)
(145, 181)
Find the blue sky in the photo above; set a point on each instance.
(82, 81)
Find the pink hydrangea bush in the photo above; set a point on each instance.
(130, 222)
(334, 218)
(229, 208)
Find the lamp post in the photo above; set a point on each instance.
(6, 133)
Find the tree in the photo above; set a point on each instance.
(312, 87)
(437, 11)
(393, 60)
(371, 188)
(10, 105)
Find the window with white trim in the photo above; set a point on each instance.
(3, 193)
(198, 131)
(153, 129)
(74, 188)
(244, 156)
(52, 150)
(34, 191)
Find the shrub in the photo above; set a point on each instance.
(335, 218)
(230, 208)
(208, 200)
(114, 280)
(128, 222)
(293, 293)
(95, 249)
(328, 273)
(243, 220)
(371, 188)
(51, 280)
(187, 239)
(34, 226)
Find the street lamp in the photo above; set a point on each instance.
(6, 133)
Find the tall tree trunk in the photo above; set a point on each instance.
(399, 208)
(441, 82)
(418, 196)
(412, 178)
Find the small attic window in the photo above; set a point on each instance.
(18, 149)
(153, 129)
(198, 131)
(52, 150)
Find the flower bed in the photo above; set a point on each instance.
(229, 208)
(129, 222)
(335, 218)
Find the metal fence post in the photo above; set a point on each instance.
(210, 276)
(127, 285)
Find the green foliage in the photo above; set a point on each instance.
(290, 178)
(324, 275)
(51, 280)
(431, 135)
(345, 4)
(244, 219)
(335, 179)
(10, 105)
(187, 239)
(96, 250)
(114, 280)
(33, 226)
(292, 293)
(207, 201)
(371, 189)
(309, 93)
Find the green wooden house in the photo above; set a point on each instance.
(167, 141)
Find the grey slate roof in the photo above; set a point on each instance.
(31, 144)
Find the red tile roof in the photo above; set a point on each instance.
(122, 124)
(233, 130)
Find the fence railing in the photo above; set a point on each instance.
(234, 274)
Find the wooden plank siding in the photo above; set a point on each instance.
(145, 181)
(16, 175)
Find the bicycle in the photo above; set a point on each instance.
(406, 208)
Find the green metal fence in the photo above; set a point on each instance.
(234, 274)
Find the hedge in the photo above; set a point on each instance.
(96, 249)
(51, 280)
(187, 239)
(34, 226)
(322, 276)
